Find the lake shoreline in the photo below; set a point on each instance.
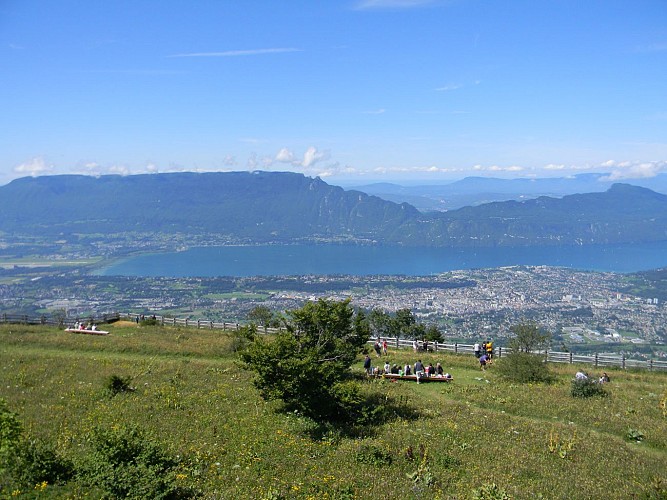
(362, 260)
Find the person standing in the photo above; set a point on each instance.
(367, 365)
(475, 348)
(419, 370)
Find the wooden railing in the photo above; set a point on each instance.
(194, 323)
(49, 319)
(597, 360)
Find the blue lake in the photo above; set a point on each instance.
(274, 260)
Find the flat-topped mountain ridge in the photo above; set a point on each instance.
(265, 207)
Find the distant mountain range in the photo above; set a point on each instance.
(473, 191)
(266, 207)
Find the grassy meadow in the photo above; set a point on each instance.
(477, 437)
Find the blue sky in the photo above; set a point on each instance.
(354, 91)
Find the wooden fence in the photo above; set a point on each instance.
(597, 360)
(48, 319)
(194, 323)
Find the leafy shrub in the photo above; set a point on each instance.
(116, 384)
(10, 433)
(242, 337)
(39, 462)
(635, 435)
(373, 455)
(125, 463)
(149, 322)
(586, 388)
(524, 367)
(304, 366)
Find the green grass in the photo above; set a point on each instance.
(193, 396)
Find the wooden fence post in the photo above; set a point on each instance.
(623, 361)
(570, 357)
(596, 359)
(456, 347)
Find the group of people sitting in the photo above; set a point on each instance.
(84, 326)
(419, 369)
(582, 375)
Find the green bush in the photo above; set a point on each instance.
(634, 435)
(524, 367)
(586, 388)
(10, 433)
(39, 462)
(126, 463)
(116, 384)
(305, 365)
(372, 455)
(242, 337)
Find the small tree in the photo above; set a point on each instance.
(381, 324)
(404, 323)
(528, 338)
(521, 365)
(261, 316)
(306, 365)
(433, 334)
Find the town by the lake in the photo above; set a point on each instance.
(584, 311)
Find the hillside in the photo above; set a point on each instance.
(282, 207)
(259, 205)
(445, 441)
(472, 191)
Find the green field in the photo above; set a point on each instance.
(452, 440)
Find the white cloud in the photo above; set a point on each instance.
(238, 53)
(34, 167)
(634, 170)
(453, 86)
(285, 156)
(312, 156)
(119, 169)
(252, 162)
(229, 161)
(456, 86)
